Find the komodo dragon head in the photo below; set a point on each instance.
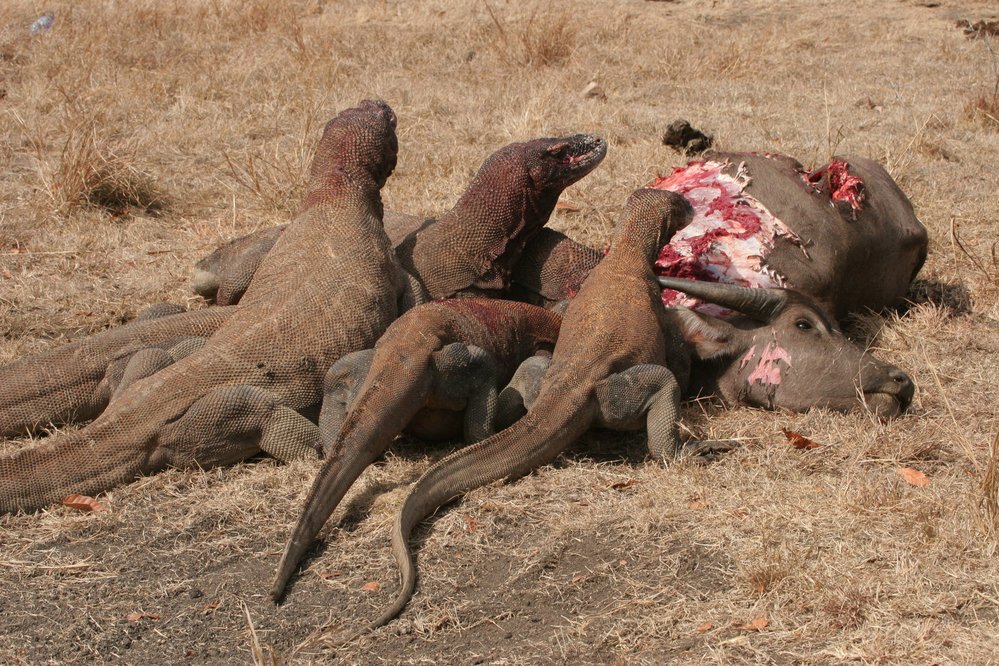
(784, 352)
(541, 168)
(474, 246)
(363, 135)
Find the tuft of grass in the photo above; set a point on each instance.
(543, 39)
(91, 173)
(984, 110)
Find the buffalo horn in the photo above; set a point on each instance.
(758, 303)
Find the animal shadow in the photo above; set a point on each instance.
(954, 298)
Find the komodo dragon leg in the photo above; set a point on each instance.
(518, 396)
(124, 372)
(444, 357)
(234, 423)
(648, 393)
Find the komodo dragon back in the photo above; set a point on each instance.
(607, 368)
(330, 286)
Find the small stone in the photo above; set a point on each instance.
(195, 593)
(680, 136)
(594, 91)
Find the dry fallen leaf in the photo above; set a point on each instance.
(331, 574)
(471, 523)
(697, 504)
(138, 615)
(799, 441)
(83, 503)
(757, 624)
(913, 476)
(567, 207)
(707, 626)
(371, 587)
(621, 485)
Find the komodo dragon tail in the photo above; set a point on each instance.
(43, 475)
(67, 383)
(534, 440)
(394, 395)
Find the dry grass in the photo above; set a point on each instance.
(198, 120)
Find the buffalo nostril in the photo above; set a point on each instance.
(899, 376)
(905, 389)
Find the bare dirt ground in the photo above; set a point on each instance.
(139, 135)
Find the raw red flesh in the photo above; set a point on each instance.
(767, 371)
(843, 185)
(728, 238)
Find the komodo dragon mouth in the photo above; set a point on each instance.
(580, 152)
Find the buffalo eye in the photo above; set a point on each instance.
(804, 325)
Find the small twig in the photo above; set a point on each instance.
(16, 564)
(258, 653)
(989, 501)
(956, 240)
(20, 254)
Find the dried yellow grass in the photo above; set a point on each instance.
(140, 135)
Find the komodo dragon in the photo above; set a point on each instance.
(622, 361)
(507, 203)
(331, 286)
(472, 245)
(608, 368)
(436, 361)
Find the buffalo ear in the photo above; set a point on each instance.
(709, 337)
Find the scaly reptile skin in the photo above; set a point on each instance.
(615, 364)
(75, 381)
(469, 250)
(512, 193)
(444, 358)
(331, 286)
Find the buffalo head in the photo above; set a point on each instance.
(784, 352)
